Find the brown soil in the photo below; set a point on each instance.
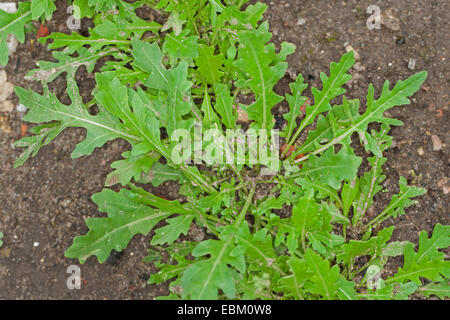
(47, 199)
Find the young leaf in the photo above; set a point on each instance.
(257, 248)
(427, 262)
(325, 281)
(13, 23)
(224, 105)
(306, 217)
(391, 292)
(100, 128)
(293, 284)
(203, 279)
(148, 57)
(48, 71)
(43, 8)
(181, 47)
(369, 186)
(209, 65)
(126, 217)
(399, 202)
(129, 168)
(331, 168)
(209, 115)
(337, 120)
(331, 89)
(258, 61)
(375, 108)
(296, 101)
(172, 231)
(441, 289)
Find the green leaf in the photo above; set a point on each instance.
(391, 292)
(348, 194)
(48, 71)
(339, 118)
(203, 279)
(224, 105)
(358, 248)
(325, 281)
(209, 116)
(427, 262)
(34, 143)
(209, 65)
(399, 202)
(178, 101)
(181, 47)
(441, 289)
(140, 121)
(217, 199)
(148, 57)
(331, 168)
(74, 42)
(121, 29)
(43, 8)
(100, 128)
(332, 87)
(306, 217)
(261, 68)
(369, 186)
(129, 168)
(81, 9)
(171, 232)
(394, 249)
(293, 284)
(126, 218)
(296, 101)
(161, 173)
(375, 108)
(13, 23)
(257, 247)
(174, 22)
(323, 189)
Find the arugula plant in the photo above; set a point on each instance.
(310, 236)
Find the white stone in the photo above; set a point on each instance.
(21, 108)
(301, 21)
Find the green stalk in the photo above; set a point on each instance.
(243, 212)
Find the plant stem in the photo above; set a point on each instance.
(248, 201)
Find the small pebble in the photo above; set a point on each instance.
(350, 48)
(389, 20)
(66, 203)
(242, 115)
(412, 64)
(301, 21)
(437, 143)
(420, 151)
(21, 108)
